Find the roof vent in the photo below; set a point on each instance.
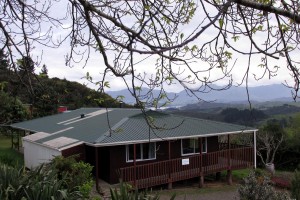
(82, 115)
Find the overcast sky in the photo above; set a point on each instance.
(55, 61)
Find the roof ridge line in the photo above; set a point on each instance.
(106, 134)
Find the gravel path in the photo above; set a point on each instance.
(211, 191)
(216, 195)
(217, 191)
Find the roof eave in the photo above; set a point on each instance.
(167, 138)
(24, 129)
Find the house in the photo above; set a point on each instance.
(119, 143)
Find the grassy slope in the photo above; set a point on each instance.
(8, 155)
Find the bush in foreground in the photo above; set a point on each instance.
(296, 185)
(47, 181)
(259, 187)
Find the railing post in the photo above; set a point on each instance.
(228, 151)
(97, 165)
(134, 164)
(229, 173)
(169, 166)
(201, 176)
(122, 175)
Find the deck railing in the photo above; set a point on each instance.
(157, 173)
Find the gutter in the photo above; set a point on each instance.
(165, 139)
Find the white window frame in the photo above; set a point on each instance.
(127, 152)
(205, 140)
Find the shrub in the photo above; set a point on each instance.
(7, 159)
(281, 182)
(61, 179)
(76, 174)
(82, 177)
(259, 188)
(296, 185)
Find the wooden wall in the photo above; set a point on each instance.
(113, 158)
(76, 150)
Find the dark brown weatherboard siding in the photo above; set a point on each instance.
(111, 159)
(76, 150)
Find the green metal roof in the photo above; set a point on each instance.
(168, 126)
(123, 126)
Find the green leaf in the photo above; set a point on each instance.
(150, 119)
(221, 22)
(258, 28)
(228, 54)
(284, 28)
(118, 130)
(162, 96)
(186, 48)
(181, 35)
(99, 100)
(194, 48)
(106, 84)
(154, 103)
(137, 88)
(235, 38)
(261, 65)
(169, 78)
(88, 77)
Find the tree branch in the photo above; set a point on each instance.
(269, 8)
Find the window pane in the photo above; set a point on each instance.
(148, 150)
(187, 146)
(152, 150)
(131, 152)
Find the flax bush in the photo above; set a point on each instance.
(10, 182)
(47, 182)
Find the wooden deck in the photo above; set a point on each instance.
(158, 173)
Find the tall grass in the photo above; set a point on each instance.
(8, 155)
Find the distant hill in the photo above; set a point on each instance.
(237, 95)
(47, 94)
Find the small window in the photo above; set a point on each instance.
(144, 151)
(191, 146)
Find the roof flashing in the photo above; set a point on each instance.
(36, 136)
(60, 142)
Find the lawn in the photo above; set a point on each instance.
(8, 155)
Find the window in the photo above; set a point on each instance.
(191, 146)
(144, 151)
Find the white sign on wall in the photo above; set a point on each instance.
(185, 161)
